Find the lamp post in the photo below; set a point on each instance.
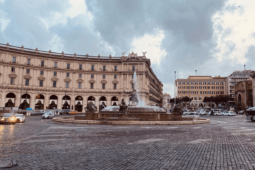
(197, 87)
(174, 87)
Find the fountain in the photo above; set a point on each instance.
(136, 113)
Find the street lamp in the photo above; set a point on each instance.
(174, 88)
(197, 87)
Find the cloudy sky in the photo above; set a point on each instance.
(214, 37)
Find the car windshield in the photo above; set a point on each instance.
(47, 113)
(8, 114)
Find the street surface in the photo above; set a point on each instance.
(224, 143)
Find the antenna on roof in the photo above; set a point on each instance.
(244, 67)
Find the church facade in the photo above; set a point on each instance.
(45, 79)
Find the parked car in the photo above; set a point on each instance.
(229, 113)
(186, 112)
(48, 115)
(241, 112)
(192, 114)
(20, 117)
(8, 118)
(202, 112)
(37, 113)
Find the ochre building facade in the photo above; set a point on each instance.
(199, 87)
(46, 77)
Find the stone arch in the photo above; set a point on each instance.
(39, 102)
(66, 101)
(10, 97)
(114, 101)
(78, 103)
(53, 102)
(91, 99)
(25, 101)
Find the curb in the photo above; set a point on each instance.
(103, 122)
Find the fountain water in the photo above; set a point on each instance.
(138, 104)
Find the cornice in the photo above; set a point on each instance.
(115, 82)
(103, 81)
(27, 76)
(79, 81)
(54, 79)
(12, 75)
(92, 81)
(41, 78)
(67, 79)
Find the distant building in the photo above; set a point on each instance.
(166, 99)
(244, 94)
(199, 87)
(234, 78)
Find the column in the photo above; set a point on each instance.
(3, 97)
(84, 103)
(32, 101)
(108, 100)
(17, 99)
(46, 101)
(60, 102)
(72, 102)
(97, 103)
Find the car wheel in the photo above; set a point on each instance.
(252, 119)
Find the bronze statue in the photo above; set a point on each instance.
(103, 105)
(177, 110)
(78, 107)
(66, 105)
(24, 105)
(123, 108)
(91, 107)
(52, 105)
(39, 105)
(9, 103)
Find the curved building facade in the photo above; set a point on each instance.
(44, 79)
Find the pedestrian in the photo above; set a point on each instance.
(212, 113)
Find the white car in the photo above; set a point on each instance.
(202, 112)
(229, 113)
(48, 115)
(193, 115)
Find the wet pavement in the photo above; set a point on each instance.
(224, 143)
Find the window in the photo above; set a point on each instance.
(208, 83)
(205, 83)
(187, 87)
(103, 76)
(217, 92)
(204, 87)
(179, 87)
(133, 77)
(55, 64)
(104, 68)
(208, 87)
(221, 92)
(115, 68)
(115, 76)
(41, 83)
(200, 98)
(28, 71)
(28, 61)
(42, 63)
(183, 82)
(191, 92)
(213, 87)
(213, 92)
(80, 67)
(67, 84)
(114, 86)
(187, 92)
(179, 83)
(80, 75)
(221, 87)
(183, 87)
(204, 92)
(212, 83)
(27, 82)
(55, 73)
(192, 87)
(200, 83)
(67, 74)
(68, 66)
(133, 68)
(14, 59)
(200, 87)
(103, 86)
(209, 92)
(12, 81)
(187, 82)
(79, 85)
(133, 86)
(91, 85)
(217, 87)
(54, 84)
(183, 92)
(201, 92)
(41, 72)
(13, 69)
(92, 76)
(92, 67)
(195, 98)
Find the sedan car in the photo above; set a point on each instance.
(48, 115)
(20, 117)
(8, 118)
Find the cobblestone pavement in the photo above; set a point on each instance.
(224, 143)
